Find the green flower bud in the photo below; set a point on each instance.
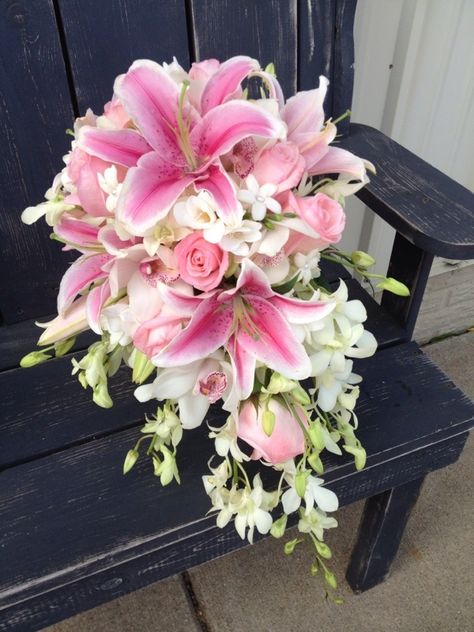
(270, 68)
(301, 396)
(394, 286)
(279, 527)
(360, 455)
(314, 569)
(291, 545)
(323, 549)
(142, 368)
(268, 422)
(101, 396)
(130, 460)
(280, 384)
(362, 259)
(330, 579)
(315, 432)
(34, 358)
(300, 482)
(61, 348)
(316, 463)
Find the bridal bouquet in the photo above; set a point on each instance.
(201, 209)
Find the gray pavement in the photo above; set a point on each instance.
(259, 589)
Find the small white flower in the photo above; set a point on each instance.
(316, 522)
(197, 211)
(251, 511)
(308, 265)
(109, 183)
(324, 498)
(234, 238)
(226, 440)
(258, 199)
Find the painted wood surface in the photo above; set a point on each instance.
(35, 111)
(266, 30)
(73, 511)
(104, 38)
(427, 207)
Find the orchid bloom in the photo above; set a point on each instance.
(177, 145)
(250, 320)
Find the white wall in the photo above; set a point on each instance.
(414, 80)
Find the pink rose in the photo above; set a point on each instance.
(201, 263)
(282, 165)
(286, 440)
(324, 215)
(153, 335)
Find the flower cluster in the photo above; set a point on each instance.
(201, 216)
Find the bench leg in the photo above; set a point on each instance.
(381, 529)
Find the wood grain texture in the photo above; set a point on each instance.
(381, 530)
(97, 580)
(73, 512)
(104, 38)
(265, 30)
(427, 207)
(316, 38)
(343, 77)
(35, 111)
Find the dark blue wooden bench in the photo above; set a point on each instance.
(74, 531)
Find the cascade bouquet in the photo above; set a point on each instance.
(201, 214)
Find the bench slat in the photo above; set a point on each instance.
(64, 514)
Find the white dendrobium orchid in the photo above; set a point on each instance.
(258, 198)
(308, 265)
(226, 440)
(316, 522)
(252, 510)
(314, 493)
(195, 386)
(234, 237)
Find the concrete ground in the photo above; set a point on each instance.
(259, 589)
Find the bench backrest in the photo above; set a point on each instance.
(61, 56)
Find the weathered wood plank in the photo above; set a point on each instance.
(69, 511)
(427, 207)
(343, 77)
(265, 30)
(143, 560)
(316, 37)
(35, 110)
(103, 38)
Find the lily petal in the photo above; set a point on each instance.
(94, 304)
(149, 191)
(273, 342)
(226, 81)
(182, 303)
(77, 232)
(304, 111)
(123, 146)
(337, 160)
(300, 312)
(66, 326)
(79, 275)
(208, 329)
(218, 184)
(224, 126)
(150, 97)
(243, 364)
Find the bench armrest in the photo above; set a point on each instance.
(428, 208)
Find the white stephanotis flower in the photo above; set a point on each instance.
(316, 522)
(324, 498)
(258, 198)
(234, 238)
(109, 183)
(195, 386)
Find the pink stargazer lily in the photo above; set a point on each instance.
(250, 320)
(177, 145)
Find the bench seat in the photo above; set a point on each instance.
(78, 533)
